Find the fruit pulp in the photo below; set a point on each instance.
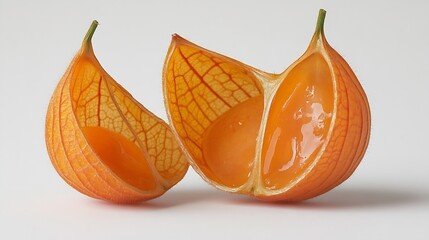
(298, 122)
(122, 156)
(299, 119)
(229, 143)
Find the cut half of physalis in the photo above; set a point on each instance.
(289, 136)
(103, 142)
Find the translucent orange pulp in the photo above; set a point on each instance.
(299, 120)
(122, 156)
(229, 143)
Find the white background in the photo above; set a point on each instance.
(385, 42)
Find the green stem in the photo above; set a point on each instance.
(320, 22)
(90, 32)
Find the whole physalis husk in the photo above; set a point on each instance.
(289, 136)
(103, 142)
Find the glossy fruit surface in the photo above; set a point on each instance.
(103, 142)
(288, 136)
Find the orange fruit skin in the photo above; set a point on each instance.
(74, 161)
(202, 89)
(104, 143)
